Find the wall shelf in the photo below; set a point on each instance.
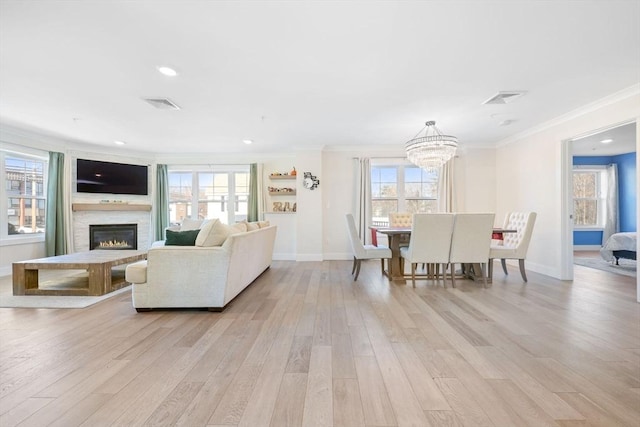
(282, 193)
(109, 207)
(283, 176)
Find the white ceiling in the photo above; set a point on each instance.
(623, 141)
(296, 74)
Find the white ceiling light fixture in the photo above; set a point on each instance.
(117, 142)
(248, 141)
(607, 141)
(433, 149)
(167, 71)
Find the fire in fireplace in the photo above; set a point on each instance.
(113, 236)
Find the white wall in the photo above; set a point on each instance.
(529, 171)
(475, 191)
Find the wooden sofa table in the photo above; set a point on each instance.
(98, 263)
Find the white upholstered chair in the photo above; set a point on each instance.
(401, 219)
(514, 245)
(471, 242)
(430, 242)
(361, 251)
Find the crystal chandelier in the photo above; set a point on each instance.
(432, 150)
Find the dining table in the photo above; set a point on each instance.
(395, 235)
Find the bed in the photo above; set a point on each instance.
(619, 245)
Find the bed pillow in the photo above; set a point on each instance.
(181, 238)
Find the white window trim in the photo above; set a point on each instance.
(195, 169)
(602, 196)
(20, 151)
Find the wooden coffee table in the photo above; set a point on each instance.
(98, 263)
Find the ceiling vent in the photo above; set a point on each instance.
(504, 97)
(162, 103)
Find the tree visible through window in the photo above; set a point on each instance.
(402, 188)
(588, 198)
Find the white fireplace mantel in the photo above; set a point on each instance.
(109, 207)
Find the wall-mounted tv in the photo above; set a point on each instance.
(114, 178)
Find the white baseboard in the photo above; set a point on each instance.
(338, 256)
(587, 247)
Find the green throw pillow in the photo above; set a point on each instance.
(181, 238)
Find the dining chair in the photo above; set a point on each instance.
(401, 219)
(362, 251)
(429, 243)
(471, 242)
(514, 245)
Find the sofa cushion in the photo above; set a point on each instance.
(239, 227)
(190, 224)
(181, 238)
(213, 233)
(263, 224)
(252, 226)
(136, 272)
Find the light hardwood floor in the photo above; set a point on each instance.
(306, 346)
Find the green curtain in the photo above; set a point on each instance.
(162, 201)
(252, 208)
(54, 233)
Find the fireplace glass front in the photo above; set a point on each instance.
(113, 236)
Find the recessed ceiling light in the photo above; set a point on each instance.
(167, 71)
(607, 141)
(247, 141)
(119, 142)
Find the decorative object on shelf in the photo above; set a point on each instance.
(277, 206)
(293, 172)
(310, 182)
(287, 207)
(284, 190)
(295, 207)
(432, 150)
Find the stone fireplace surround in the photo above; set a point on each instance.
(82, 219)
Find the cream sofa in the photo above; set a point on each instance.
(204, 275)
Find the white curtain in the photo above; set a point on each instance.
(446, 188)
(362, 191)
(611, 225)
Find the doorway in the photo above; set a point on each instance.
(587, 163)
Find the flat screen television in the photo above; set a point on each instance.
(94, 176)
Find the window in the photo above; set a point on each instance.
(220, 193)
(588, 197)
(24, 194)
(401, 188)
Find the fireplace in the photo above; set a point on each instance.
(113, 236)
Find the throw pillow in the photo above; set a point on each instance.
(252, 226)
(181, 238)
(239, 227)
(213, 233)
(263, 224)
(190, 224)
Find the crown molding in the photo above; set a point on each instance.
(571, 115)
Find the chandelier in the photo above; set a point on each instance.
(432, 150)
